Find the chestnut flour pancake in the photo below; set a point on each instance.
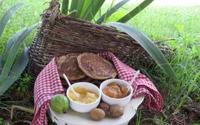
(68, 64)
(95, 66)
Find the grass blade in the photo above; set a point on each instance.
(135, 11)
(111, 11)
(4, 20)
(65, 4)
(16, 71)
(148, 45)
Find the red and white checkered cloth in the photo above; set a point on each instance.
(48, 84)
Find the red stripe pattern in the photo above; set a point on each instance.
(142, 85)
(48, 84)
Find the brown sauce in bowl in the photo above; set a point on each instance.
(115, 90)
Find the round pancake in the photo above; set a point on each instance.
(95, 66)
(68, 64)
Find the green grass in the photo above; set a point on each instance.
(164, 22)
(159, 23)
(28, 15)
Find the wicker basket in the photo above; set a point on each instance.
(61, 34)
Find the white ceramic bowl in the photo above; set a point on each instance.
(81, 107)
(116, 101)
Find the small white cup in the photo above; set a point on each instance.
(116, 101)
(81, 107)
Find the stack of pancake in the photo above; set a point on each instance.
(88, 67)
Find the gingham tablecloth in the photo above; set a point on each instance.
(48, 84)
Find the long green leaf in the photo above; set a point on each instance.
(1, 64)
(86, 5)
(16, 71)
(74, 4)
(7, 15)
(1, 1)
(135, 11)
(80, 7)
(65, 4)
(9, 44)
(93, 9)
(111, 11)
(148, 45)
(11, 41)
(76, 7)
(73, 7)
(12, 53)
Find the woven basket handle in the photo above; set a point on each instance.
(52, 12)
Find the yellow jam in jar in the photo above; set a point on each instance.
(86, 96)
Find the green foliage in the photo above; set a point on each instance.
(149, 46)
(4, 20)
(111, 11)
(135, 11)
(27, 15)
(65, 6)
(12, 64)
(1, 1)
(138, 118)
(23, 84)
(186, 65)
(3, 122)
(88, 9)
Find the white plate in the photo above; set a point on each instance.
(75, 118)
